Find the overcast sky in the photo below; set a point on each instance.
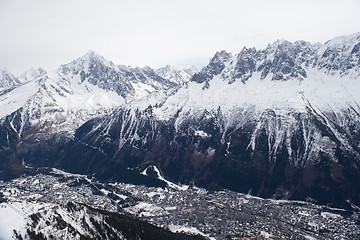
(48, 33)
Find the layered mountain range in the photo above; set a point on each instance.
(282, 122)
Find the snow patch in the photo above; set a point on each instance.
(160, 177)
(143, 209)
(308, 237)
(188, 230)
(266, 235)
(201, 134)
(330, 215)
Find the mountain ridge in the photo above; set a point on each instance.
(287, 60)
(282, 122)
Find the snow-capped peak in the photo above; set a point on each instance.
(344, 40)
(7, 80)
(176, 75)
(222, 56)
(91, 54)
(285, 60)
(340, 55)
(89, 60)
(32, 74)
(190, 69)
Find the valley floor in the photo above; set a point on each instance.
(214, 215)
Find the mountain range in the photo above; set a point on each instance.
(282, 122)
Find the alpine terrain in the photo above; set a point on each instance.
(276, 129)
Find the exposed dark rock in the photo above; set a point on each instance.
(216, 65)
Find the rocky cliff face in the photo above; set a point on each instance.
(282, 122)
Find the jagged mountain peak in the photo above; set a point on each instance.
(344, 40)
(223, 56)
(275, 46)
(93, 55)
(92, 59)
(284, 60)
(280, 42)
(91, 63)
(284, 46)
(31, 74)
(147, 68)
(7, 80)
(168, 68)
(215, 67)
(129, 82)
(4, 71)
(192, 69)
(247, 52)
(172, 68)
(340, 55)
(176, 75)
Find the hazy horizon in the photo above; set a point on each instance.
(47, 34)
